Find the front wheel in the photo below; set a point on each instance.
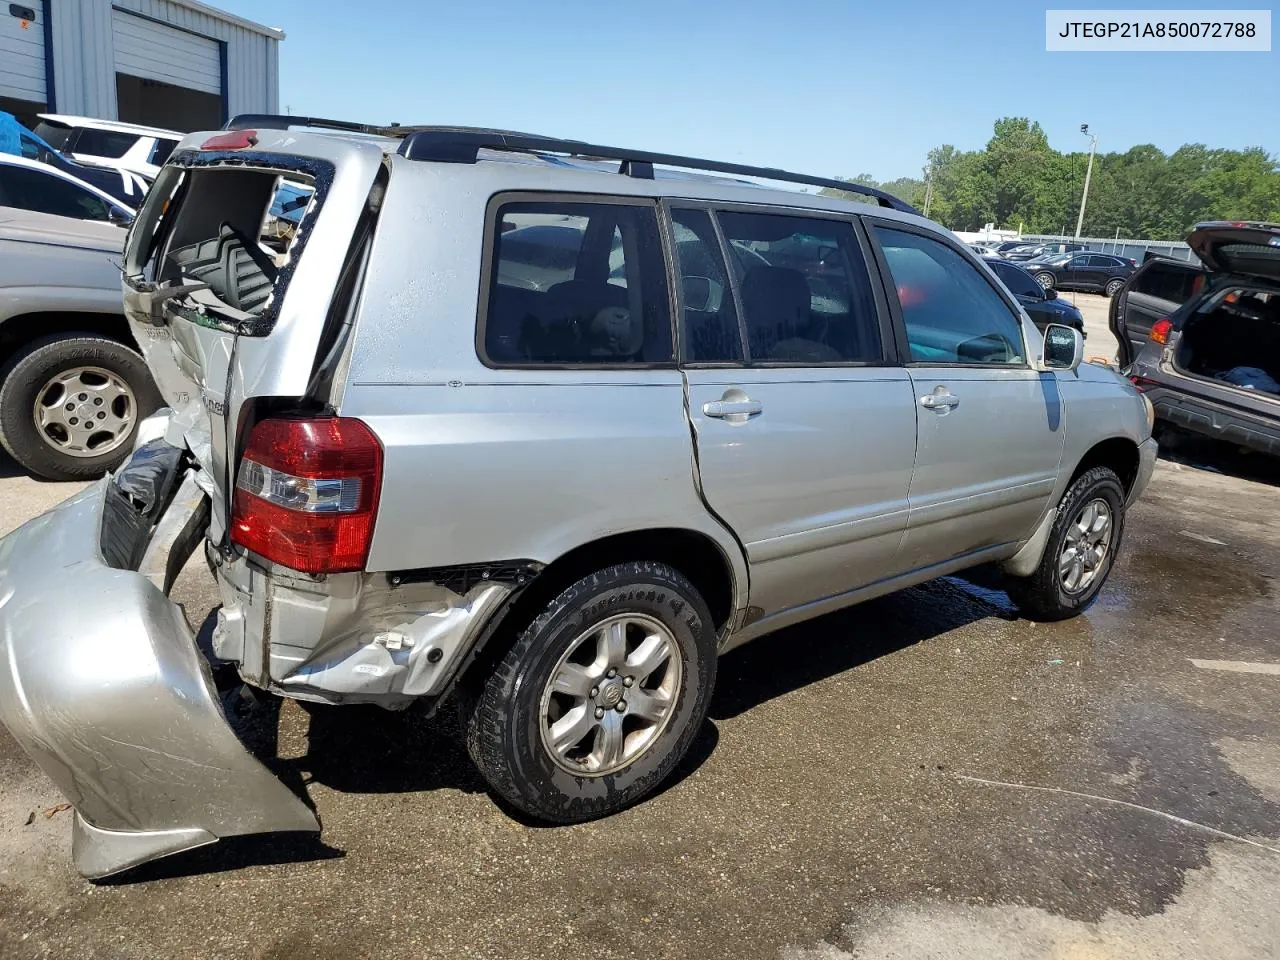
(1114, 287)
(599, 698)
(1080, 551)
(1045, 280)
(70, 405)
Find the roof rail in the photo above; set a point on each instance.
(282, 121)
(463, 144)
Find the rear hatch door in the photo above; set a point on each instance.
(231, 270)
(1238, 247)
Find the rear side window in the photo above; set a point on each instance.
(102, 143)
(803, 287)
(54, 134)
(1170, 282)
(576, 283)
(952, 314)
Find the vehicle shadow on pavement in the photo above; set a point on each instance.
(795, 657)
(1205, 453)
(10, 468)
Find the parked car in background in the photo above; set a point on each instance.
(126, 146)
(1099, 272)
(126, 186)
(1008, 245)
(1044, 250)
(72, 384)
(1211, 364)
(392, 448)
(983, 249)
(1042, 304)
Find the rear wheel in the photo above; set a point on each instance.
(1045, 280)
(600, 696)
(1080, 551)
(70, 406)
(1114, 287)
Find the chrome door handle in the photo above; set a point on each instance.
(733, 410)
(939, 401)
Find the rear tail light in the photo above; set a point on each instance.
(307, 492)
(1143, 383)
(234, 140)
(1160, 330)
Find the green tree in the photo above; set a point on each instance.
(1017, 179)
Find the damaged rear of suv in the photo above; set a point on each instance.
(526, 423)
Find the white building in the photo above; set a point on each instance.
(165, 63)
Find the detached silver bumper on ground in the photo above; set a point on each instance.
(102, 684)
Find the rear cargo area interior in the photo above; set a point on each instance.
(233, 231)
(1237, 342)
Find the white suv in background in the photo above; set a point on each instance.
(109, 143)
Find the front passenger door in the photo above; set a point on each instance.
(805, 425)
(989, 428)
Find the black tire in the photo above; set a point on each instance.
(1046, 280)
(31, 368)
(1113, 287)
(503, 718)
(1042, 595)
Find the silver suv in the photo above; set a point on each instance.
(537, 427)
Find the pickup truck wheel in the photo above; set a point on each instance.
(600, 696)
(1080, 551)
(70, 405)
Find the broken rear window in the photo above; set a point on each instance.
(238, 229)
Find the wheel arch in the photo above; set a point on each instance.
(1119, 454)
(696, 554)
(23, 329)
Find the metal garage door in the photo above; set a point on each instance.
(155, 52)
(22, 51)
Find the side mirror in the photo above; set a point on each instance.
(1063, 347)
(1051, 294)
(119, 216)
(697, 293)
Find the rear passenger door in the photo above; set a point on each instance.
(1159, 288)
(990, 432)
(804, 422)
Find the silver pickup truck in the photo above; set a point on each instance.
(537, 426)
(73, 386)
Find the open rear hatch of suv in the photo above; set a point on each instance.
(1232, 334)
(240, 272)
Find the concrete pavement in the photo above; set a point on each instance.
(923, 776)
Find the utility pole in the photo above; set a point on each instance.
(928, 190)
(1093, 147)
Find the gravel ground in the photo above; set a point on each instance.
(923, 776)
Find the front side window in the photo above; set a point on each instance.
(709, 323)
(576, 283)
(952, 314)
(804, 290)
(42, 192)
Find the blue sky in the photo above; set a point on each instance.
(832, 88)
